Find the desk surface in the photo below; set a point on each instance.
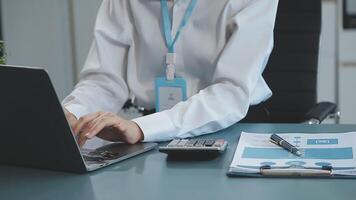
(151, 176)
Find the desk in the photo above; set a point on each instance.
(150, 176)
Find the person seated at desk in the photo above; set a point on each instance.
(218, 48)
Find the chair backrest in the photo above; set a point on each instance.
(291, 72)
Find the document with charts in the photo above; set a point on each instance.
(334, 150)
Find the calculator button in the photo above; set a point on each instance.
(191, 143)
(182, 143)
(209, 143)
(199, 143)
(219, 143)
(173, 143)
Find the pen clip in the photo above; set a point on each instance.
(272, 141)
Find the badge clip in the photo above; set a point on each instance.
(171, 59)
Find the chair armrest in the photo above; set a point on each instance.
(320, 111)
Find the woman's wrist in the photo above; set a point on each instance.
(139, 131)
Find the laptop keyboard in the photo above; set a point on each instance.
(97, 155)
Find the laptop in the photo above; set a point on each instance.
(34, 130)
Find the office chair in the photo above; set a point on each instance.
(291, 71)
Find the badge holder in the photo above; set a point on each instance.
(169, 90)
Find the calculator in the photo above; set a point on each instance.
(194, 147)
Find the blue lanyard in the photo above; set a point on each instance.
(167, 23)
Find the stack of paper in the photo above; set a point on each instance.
(255, 151)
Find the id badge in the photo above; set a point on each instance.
(169, 93)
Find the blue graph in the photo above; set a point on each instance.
(310, 153)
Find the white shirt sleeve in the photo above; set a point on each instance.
(102, 85)
(238, 71)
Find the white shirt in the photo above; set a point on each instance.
(221, 53)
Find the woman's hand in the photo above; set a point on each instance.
(72, 120)
(107, 126)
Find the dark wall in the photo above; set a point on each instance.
(349, 19)
(0, 22)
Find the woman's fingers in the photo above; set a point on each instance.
(72, 120)
(101, 123)
(97, 125)
(92, 122)
(81, 140)
(108, 126)
(83, 121)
